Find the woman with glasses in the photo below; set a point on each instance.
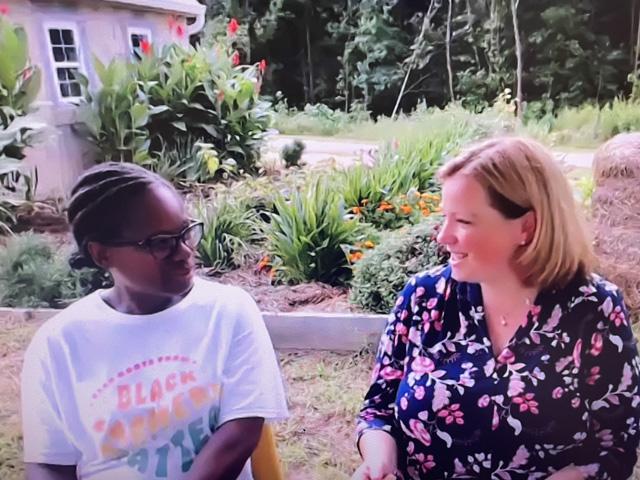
(164, 375)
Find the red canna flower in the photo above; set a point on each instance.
(235, 58)
(262, 66)
(146, 48)
(232, 27)
(180, 31)
(4, 10)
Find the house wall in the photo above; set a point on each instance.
(103, 32)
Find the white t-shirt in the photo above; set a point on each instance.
(136, 396)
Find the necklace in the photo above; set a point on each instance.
(503, 318)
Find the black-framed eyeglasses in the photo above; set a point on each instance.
(164, 246)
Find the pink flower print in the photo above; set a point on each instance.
(419, 431)
(401, 329)
(422, 365)
(576, 353)
(411, 448)
(404, 403)
(484, 401)
(390, 373)
(427, 462)
(420, 292)
(596, 344)
(452, 414)
(419, 393)
(594, 375)
(575, 403)
(606, 438)
(432, 302)
(399, 301)
(495, 420)
(617, 316)
(527, 403)
(557, 393)
(507, 356)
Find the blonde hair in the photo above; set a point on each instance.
(521, 175)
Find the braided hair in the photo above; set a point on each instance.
(98, 200)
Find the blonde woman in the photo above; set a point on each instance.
(514, 361)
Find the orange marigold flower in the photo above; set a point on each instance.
(356, 210)
(385, 207)
(355, 256)
(369, 244)
(422, 204)
(406, 209)
(426, 212)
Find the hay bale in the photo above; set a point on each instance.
(616, 213)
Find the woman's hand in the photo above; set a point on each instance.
(374, 472)
(567, 473)
(380, 457)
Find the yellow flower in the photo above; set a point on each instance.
(369, 244)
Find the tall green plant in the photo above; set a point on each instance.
(150, 107)
(19, 86)
(309, 234)
(231, 233)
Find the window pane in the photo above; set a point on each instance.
(71, 73)
(55, 37)
(58, 54)
(62, 74)
(64, 90)
(76, 91)
(135, 40)
(71, 54)
(67, 37)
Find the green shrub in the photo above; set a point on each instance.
(34, 274)
(399, 170)
(309, 234)
(382, 272)
(146, 109)
(231, 232)
(292, 153)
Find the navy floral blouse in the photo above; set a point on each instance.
(563, 391)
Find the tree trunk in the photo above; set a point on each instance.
(425, 23)
(516, 32)
(448, 51)
(309, 61)
(637, 52)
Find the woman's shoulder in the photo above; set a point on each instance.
(209, 291)
(430, 283)
(52, 330)
(595, 295)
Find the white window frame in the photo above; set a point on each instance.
(64, 25)
(137, 31)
